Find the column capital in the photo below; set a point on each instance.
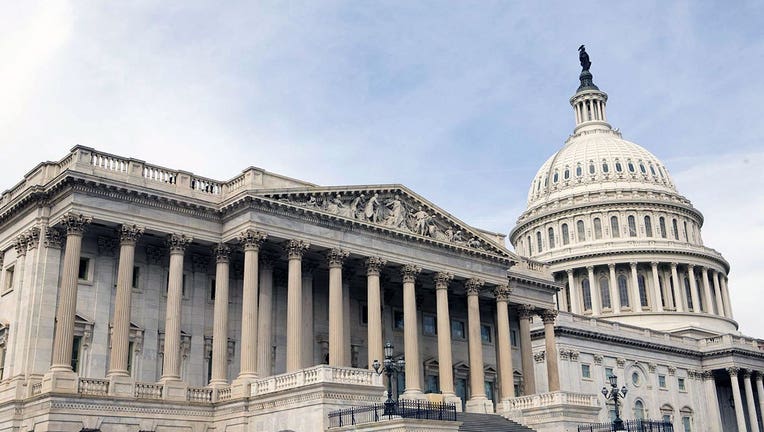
(502, 292)
(690, 267)
(32, 236)
(548, 316)
(569, 272)
(442, 280)
(252, 239)
(526, 311)
(295, 248)
(590, 268)
(633, 264)
(222, 252)
(733, 371)
(473, 286)
(20, 244)
(53, 238)
(674, 265)
(336, 257)
(746, 373)
(75, 223)
(654, 263)
(707, 375)
(266, 260)
(410, 272)
(374, 265)
(177, 243)
(611, 266)
(129, 234)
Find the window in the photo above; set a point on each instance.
(662, 226)
(586, 371)
(400, 383)
(513, 338)
(618, 167)
(489, 390)
(662, 381)
(587, 294)
(592, 168)
(605, 293)
(648, 227)
(565, 234)
(397, 320)
(556, 177)
(639, 410)
(597, 228)
(608, 373)
(676, 229)
(579, 171)
(431, 384)
(632, 226)
(84, 270)
(631, 167)
(605, 168)
(130, 346)
(136, 277)
(688, 294)
(642, 290)
(680, 383)
(686, 235)
(8, 279)
(581, 230)
(551, 238)
(429, 328)
(530, 246)
(183, 291)
(614, 231)
(652, 170)
(76, 343)
(623, 290)
(485, 333)
(364, 315)
(457, 329)
(635, 379)
(642, 168)
(666, 418)
(566, 174)
(211, 295)
(686, 424)
(538, 242)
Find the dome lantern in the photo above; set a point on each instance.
(589, 101)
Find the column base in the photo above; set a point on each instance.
(413, 395)
(174, 390)
(480, 404)
(120, 385)
(242, 387)
(60, 381)
(451, 398)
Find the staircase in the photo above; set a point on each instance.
(472, 422)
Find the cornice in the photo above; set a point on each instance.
(575, 256)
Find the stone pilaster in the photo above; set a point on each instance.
(410, 333)
(552, 369)
(737, 398)
(525, 313)
(337, 348)
(506, 372)
(713, 417)
(295, 250)
(177, 244)
(222, 253)
(374, 308)
(250, 240)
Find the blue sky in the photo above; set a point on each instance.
(461, 101)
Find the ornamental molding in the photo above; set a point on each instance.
(409, 272)
(539, 357)
(620, 340)
(609, 253)
(473, 286)
(374, 265)
(129, 234)
(252, 239)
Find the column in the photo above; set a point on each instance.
(720, 310)
(752, 419)
(445, 360)
(346, 344)
(219, 377)
(337, 348)
(478, 401)
(410, 334)
(714, 418)
(177, 244)
(658, 296)
(506, 371)
(575, 306)
(264, 318)
(120, 337)
(678, 289)
(295, 249)
(737, 399)
(525, 313)
(67, 300)
(308, 333)
(374, 309)
(693, 288)
(726, 296)
(760, 391)
(636, 299)
(251, 240)
(594, 291)
(552, 369)
(615, 293)
(709, 303)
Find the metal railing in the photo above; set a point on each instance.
(414, 409)
(629, 426)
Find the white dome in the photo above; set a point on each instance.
(597, 160)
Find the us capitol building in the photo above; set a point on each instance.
(135, 297)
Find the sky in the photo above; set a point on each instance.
(462, 101)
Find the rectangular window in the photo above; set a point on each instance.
(485, 333)
(76, 342)
(130, 358)
(513, 338)
(8, 279)
(364, 314)
(608, 372)
(489, 390)
(686, 424)
(429, 328)
(681, 384)
(431, 384)
(84, 270)
(2, 361)
(400, 384)
(136, 277)
(586, 371)
(457, 329)
(212, 290)
(662, 381)
(183, 289)
(397, 320)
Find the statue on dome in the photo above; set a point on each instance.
(583, 57)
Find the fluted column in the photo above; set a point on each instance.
(220, 319)
(525, 313)
(552, 369)
(337, 346)
(410, 332)
(760, 391)
(709, 303)
(720, 309)
(575, 305)
(264, 318)
(67, 298)
(615, 293)
(506, 370)
(594, 292)
(374, 309)
(475, 342)
(713, 417)
(657, 294)
(693, 288)
(678, 289)
(636, 299)
(120, 338)
(295, 249)
(726, 296)
(752, 419)
(445, 360)
(177, 244)
(250, 240)
(737, 399)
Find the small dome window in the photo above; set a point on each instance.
(642, 168)
(546, 180)
(538, 186)
(652, 169)
(605, 168)
(660, 170)
(556, 177)
(618, 167)
(592, 169)
(579, 172)
(566, 174)
(631, 167)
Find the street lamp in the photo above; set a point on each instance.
(614, 394)
(389, 368)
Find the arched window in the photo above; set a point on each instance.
(676, 229)
(662, 226)
(586, 294)
(642, 168)
(551, 238)
(539, 248)
(581, 230)
(652, 169)
(667, 413)
(632, 226)
(623, 290)
(686, 414)
(538, 186)
(579, 171)
(614, 229)
(639, 410)
(605, 168)
(618, 167)
(605, 293)
(686, 235)
(556, 177)
(566, 174)
(688, 294)
(592, 168)
(597, 228)
(648, 227)
(565, 234)
(631, 167)
(530, 246)
(642, 290)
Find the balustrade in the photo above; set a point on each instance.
(93, 386)
(199, 394)
(148, 390)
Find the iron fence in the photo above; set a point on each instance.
(403, 408)
(629, 426)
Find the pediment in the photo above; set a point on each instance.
(392, 208)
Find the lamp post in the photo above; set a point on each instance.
(614, 394)
(389, 368)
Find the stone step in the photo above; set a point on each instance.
(473, 422)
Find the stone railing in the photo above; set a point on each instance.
(315, 375)
(148, 390)
(199, 394)
(551, 399)
(224, 394)
(93, 386)
(35, 388)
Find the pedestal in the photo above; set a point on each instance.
(60, 382)
(241, 387)
(479, 405)
(174, 390)
(121, 386)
